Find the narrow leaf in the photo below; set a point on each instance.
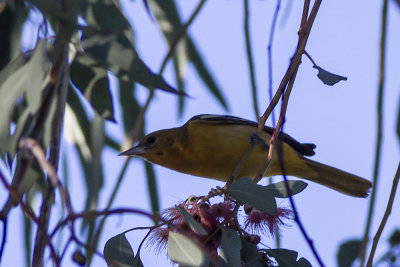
(118, 252)
(115, 52)
(279, 189)
(245, 191)
(287, 258)
(27, 83)
(152, 189)
(348, 252)
(249, 252)
(184, 251)
(93, 83)
(230, 248)
(191, 222)
(327, 77)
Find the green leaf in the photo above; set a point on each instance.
(204, 74)
(104, 14)
(137, 262)
(327, 77)
(169, 21)
(118, 252)
(230, 248)
(245, 191)
(191, 222)
(94, 85)
(12, 20)
(26, 83)
(130, 110)
(183, 251)
(249, 252)
(152, 188)
(115, 52)
(279, 189)
(348, 252)
(287, 258)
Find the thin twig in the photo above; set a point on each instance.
(385, 216)
(303, 38)
(180, 35)
(4, 238)
(310, 58)
(378, 147)
(250, 57)
(287, 83)
(39, 154)
(269, 50)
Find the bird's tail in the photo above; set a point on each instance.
(336, 179)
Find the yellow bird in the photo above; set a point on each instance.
(211, 146)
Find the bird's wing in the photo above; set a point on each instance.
(305, 149)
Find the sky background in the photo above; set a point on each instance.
(340, 120)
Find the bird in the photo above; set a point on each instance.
(211, 146)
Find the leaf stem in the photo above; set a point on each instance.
(250, 57)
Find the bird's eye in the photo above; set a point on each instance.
(151, 140)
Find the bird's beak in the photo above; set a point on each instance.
(134, 151)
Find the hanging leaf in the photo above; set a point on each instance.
(93, 83)
(279, 189)
(348, 252)
(245, 191)
(25, 84)
(118, 252)
(169, 21)
(191, 222)
(327, 77)
(250, 254)
(230, 248)
(287, 258)
(115, 52)
(184, 251)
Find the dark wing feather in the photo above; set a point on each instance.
(303, 148)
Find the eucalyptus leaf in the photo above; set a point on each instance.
(26, 82)
(230, 248)
(115, 52)
(328, 78)
(118, 252)
(249, 252)
(245, 191)
(191, 222)
(279, 189)
(152, 189)
(287, 258)
(169, 21)
(94, 85)
(348, 252)
(183, 251)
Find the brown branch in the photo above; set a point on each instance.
(58, 90)
(385, 216)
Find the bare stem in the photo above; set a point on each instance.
(385, 216)
(250, 57)
(378, 147)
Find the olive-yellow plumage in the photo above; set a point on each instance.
(211, 146)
